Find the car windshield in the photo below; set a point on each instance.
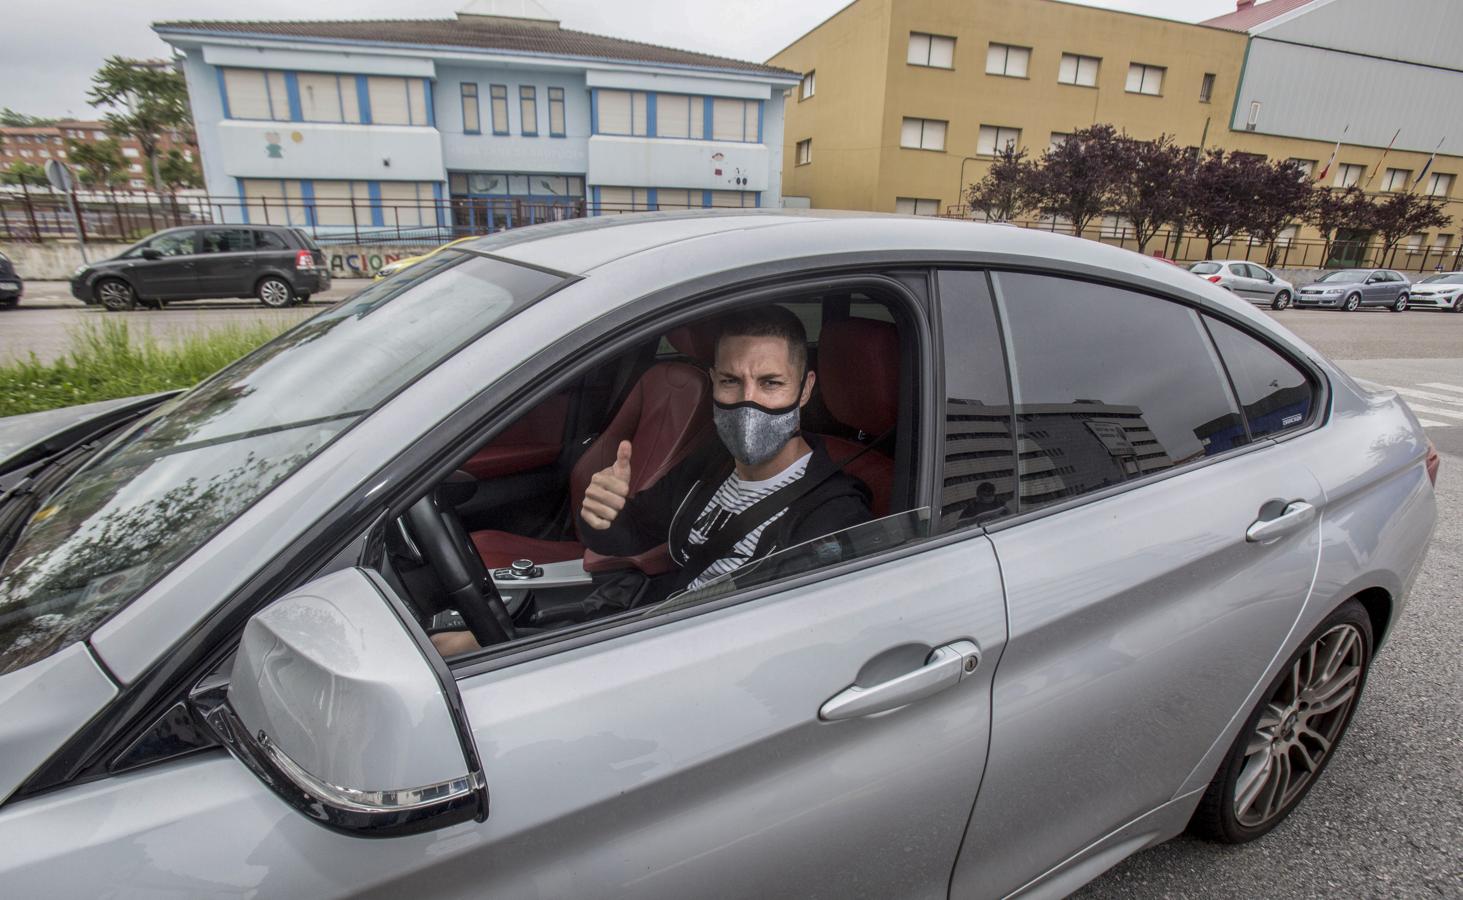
(171, 482)
(1204, 268)
(1454, 278)
(1344, 276)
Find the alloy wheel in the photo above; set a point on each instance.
(273, 292)
(1400, 305)
(1282, 300)
(1352, 302)
(1299, 725)
(116, 295)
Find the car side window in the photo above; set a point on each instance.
(1275, 394)
(1110, 385)
(1257, 272)
(268, 240)
(179, 243)
(978, 475)
(226, 240)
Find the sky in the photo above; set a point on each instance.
(52, 48)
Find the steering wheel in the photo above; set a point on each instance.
(448, 549)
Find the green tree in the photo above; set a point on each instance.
(149, 99)
(99, 163)
(12, 119)
(24, 173)
(178, 172)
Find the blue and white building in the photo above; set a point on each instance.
(370, 125)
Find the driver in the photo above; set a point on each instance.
(760, 383)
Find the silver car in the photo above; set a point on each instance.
(1351, 289)
(1251, 281)
(1441, 291)
(1142, 600)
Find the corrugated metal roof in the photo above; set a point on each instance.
(1245, 18)
(477, 33)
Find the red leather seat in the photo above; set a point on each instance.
(665, 415)
(858, 374)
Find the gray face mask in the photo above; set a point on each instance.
(752, 432)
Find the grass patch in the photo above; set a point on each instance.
(108, 360)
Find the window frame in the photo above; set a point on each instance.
(800, 157)
(997, 147)
(559, 101)
(1162, 77)
(1206, 87)
(930, 50)
(494, 98)
(1006, 63)
(923, 122)
(477, 110)
(527, 103)
(1079, 59)
(808, 86)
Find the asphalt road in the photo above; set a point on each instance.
(1386, 819)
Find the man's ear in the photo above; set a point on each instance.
(808, 382)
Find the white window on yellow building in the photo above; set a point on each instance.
(1348, 174)
(733, 120)
(1413, 243)
(622, 112)
(1058, 139)
(932, 50)
(679, 116)
(1442, 243)
(1004, 59)
(1116, 227)
(1287, 236)
(996, 138)
(805, 152)
(1079, 70)
(1206, 87)
(916, 206)
(1440, 184)
(1308, 166)
(1396, 179)
(1145, 79)
(923, 134)
(808, 86)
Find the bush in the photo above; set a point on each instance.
(107, 361)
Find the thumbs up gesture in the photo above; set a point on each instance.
(607, 491)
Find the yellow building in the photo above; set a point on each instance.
(905, 102)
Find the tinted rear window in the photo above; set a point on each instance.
(1276, 395)
(1205, 268)
(269, 240)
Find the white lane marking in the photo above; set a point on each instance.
(1426, 395)
(1429, 423)
(1444, 387)
(1420, 409)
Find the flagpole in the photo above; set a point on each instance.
(1372, 177)
(1427, 165)
(1321, 176)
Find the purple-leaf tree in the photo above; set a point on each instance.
(1399, 215)
(1078, 179)
(1223, 189)
(1283, 195)
(1150, 190)
(1334, 209)
(1005, 191)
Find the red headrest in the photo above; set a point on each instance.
(858, 372)
(695, 341)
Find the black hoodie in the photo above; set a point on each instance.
(665, 511)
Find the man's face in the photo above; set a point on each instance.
(758, 369)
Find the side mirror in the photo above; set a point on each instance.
(151, 253)
(344, 710)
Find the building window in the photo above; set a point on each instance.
(1396, 179)
(131, 152)
(498, 103)
(1414, 243)
(805, 152)
(916, 206)
(328, 98)
(1058, 139)
(1348, 174)
(471, 123)
(1206, 87)
(680, 116)
(1307, 166)
(1442, 242)
(397, 101)
(808, 86)
(556, 112)
(1115, 226)
(1003, 59)
(528, 110)
(256, 94)
(677, 198)
(923, 134)
(1080, 70)
(734, 120)
(931, 50)
(1144, 79)
(1440, 185)
(1287, 236)
(734, 199)
(622, 112)
(995, 139)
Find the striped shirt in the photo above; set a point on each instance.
(734, 496)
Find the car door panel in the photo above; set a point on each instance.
(226, 265)
(532, 442)
(1139, 626)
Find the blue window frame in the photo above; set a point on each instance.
(498, 106)
(528, 110)
(556, 112)
(471, 113)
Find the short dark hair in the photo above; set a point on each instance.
(768, 321)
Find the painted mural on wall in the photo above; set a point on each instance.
(359, 265)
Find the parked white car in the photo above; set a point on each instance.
(1251, 281)
(1442, 291)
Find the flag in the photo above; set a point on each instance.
(1321, 175)
(1378, 167)
(1425, 166)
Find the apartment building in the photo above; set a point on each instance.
(902, 103)
(39, 144)
(337, 123)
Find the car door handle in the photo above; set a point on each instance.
(944, 668)
(1296, 515)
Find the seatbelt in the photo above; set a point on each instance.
(700, 556)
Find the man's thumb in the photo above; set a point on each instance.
(622, 457)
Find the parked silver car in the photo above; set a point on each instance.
(1251, 281)
(1143, 600)
(1350, 289)
(1441, 291)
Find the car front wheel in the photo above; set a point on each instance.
(1291, 736)
(275, 292)
(116, 295)
(1352, 302)
(1281, 301)
(1400, 304)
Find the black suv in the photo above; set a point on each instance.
(281, 266)
(11, 286)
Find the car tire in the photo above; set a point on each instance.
(1260, 780)
(1458, 304)
(1281, 301)
(116, 295)
(274, 292)
(1400, 304)
(1352, 302)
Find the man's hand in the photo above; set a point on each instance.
(608, 490)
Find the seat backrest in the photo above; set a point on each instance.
(858, 375)
(664, 416)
